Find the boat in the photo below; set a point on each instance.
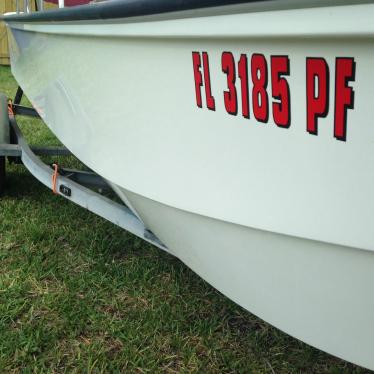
(238, 132)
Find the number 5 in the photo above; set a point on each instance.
(280, 65)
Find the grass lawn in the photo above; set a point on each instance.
(78, 294)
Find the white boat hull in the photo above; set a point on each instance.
(273, 216)
(317, 292)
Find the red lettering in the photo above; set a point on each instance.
(317, 78)
(317, 88)
(280, 65)
(243, 75)
(198, 78)
(210, 103)
(260, 81)
(228, 67)
(344, 94)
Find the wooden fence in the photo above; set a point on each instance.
(10, 6)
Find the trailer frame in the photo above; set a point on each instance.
(72, 184)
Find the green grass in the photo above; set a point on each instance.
(78, 294)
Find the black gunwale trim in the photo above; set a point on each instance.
(119, 9)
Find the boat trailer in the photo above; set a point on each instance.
(70, 183)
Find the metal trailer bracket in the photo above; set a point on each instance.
(104, 207)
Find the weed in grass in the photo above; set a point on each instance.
(78, 295)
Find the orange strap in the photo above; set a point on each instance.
(10, 108)
(54, 179)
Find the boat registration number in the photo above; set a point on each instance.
(256, 86)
